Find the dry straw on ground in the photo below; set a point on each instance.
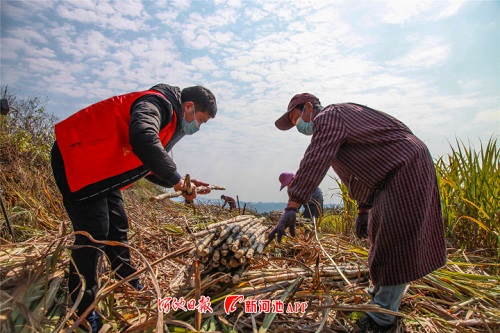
(326, 272)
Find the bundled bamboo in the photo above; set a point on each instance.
(231, 244)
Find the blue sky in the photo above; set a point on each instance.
(433, 65)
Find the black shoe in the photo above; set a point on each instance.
(95, 321)
(366, 324)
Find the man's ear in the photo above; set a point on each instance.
(187, 105)
(311, 110)
(309, 106)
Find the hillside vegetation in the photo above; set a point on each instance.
(463, 296)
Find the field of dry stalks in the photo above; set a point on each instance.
(319, 278)
(315, 282)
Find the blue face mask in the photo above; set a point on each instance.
(304, 127)
(192, 127)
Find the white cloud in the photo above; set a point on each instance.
(399, 12)
(448, 8)
(131, 8)
(90, 43)
(29, 35)
(11, 47)
(196, 39)
(79, 11)
(120, 15)
(426, 53)
(204, 63)
(254, 56)
(488, 116)
(254, 14)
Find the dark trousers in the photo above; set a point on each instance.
(313, 208)
(104, 218)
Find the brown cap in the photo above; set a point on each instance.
(284, 123)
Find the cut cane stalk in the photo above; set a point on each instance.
(228, 246)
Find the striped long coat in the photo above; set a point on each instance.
(384, 165)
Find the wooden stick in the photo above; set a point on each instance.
(238, 219)
(236, 243)
(208, 228)
(207, 250)
(256, 235)
(246, 236)
(179, 193)
(241, 252)
(234, 263)
(216, 255)
(262, 243)
(201, 246)
(197, 292)
(230, 230)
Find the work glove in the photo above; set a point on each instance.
(287, 220)
(361, 225)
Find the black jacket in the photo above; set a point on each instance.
(149, 114)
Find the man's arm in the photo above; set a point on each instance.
(146, 118)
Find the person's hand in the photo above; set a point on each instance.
(361, 225)
(287, 220)
(182, 186)
(199, 183)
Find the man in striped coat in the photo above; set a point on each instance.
(391, 175)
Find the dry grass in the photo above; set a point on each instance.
(460, 297)
(328, 270)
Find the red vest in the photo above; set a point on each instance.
(94, 142)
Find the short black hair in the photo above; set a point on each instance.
(202, 98)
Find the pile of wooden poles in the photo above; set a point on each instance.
(228, 246)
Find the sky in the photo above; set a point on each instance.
(433, 65)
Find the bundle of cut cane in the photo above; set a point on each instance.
(229, 245)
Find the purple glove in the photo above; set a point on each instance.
(286, 221)
(362, 225)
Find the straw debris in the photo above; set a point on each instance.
(231, 260)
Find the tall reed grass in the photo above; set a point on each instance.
(469, 181)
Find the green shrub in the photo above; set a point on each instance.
(469, 182)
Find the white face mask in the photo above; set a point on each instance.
(191, 127)
(303, 127)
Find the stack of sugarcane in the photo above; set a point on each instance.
(229, 245)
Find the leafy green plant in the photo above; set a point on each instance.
(341, 219)
(469, 181)
(29, 191)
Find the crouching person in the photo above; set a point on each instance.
(107, 146)
(391, 175)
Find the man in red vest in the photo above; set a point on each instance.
(108, 146)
